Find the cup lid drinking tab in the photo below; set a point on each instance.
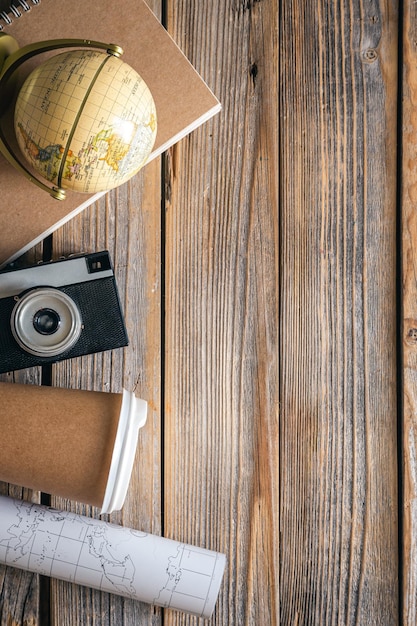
(133, 415)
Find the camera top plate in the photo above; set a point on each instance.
(70, 271)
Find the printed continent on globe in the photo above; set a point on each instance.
(85, 121)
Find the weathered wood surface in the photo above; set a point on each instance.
(307, 507)
(221, 314)
(338, 318)
(409, 310)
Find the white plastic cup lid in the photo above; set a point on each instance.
(133, 415)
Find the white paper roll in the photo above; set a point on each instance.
(110, 558)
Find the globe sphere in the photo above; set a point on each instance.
(85, 120)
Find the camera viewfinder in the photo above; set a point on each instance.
(98, 263)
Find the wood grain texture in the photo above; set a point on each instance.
(339, 550)
(221, 368)
(269, 277)
(409, 312)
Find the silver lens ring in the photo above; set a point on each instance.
(50, 344)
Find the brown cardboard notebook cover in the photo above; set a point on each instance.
(183, 101)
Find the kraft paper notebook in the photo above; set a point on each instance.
(183, 101)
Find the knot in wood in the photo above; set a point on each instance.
(253, 72)
(370, 55)
(410, 332)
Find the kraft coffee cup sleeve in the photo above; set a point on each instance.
(133, 415)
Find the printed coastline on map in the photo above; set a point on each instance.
(108, 557)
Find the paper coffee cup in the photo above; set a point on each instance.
(71, 443)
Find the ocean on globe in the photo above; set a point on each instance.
(85, 120)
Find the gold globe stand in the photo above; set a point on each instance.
(11, 58)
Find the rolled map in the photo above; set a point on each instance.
(108, 557)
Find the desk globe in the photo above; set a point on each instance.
(85, 120)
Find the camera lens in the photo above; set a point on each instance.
(46, 321)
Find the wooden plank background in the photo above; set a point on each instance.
(409, 311)
(338, 516)
(244, 224)
(221, 384)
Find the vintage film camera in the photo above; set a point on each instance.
(59, 310)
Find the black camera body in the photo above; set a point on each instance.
(59, 310)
